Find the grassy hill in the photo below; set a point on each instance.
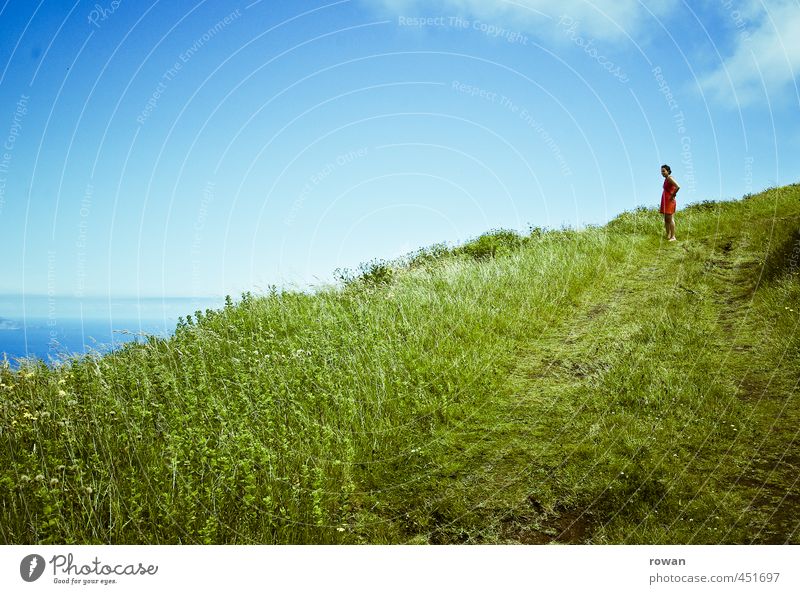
(600, 386)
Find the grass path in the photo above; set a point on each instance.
(650, 415)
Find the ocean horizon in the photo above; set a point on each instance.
(53, 328)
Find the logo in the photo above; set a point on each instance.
(31, 568)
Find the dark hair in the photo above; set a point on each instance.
(667, 168)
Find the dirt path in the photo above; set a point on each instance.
(770, 388)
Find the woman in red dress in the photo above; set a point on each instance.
(668, 201)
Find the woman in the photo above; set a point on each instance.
(668, 201)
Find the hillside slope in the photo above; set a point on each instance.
(600, 386)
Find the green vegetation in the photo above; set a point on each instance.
(601, 386)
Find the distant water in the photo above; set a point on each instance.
(49, 327)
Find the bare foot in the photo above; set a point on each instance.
(672, 239)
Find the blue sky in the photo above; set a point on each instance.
(202, 148)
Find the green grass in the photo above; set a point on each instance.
(601, 386)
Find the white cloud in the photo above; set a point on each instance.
(765, 56)
(602, 19)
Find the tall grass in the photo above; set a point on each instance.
(295, 418)
(283, 418)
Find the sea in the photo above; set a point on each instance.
(54, 328)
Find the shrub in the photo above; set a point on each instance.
(634, 221)
(429, 255)
(376, 272)
(372, 274)
(491, 244)
(702, 206)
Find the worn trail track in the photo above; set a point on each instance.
(496, 475)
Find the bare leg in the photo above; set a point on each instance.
(666, 224)
(670, 224)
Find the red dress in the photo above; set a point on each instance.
(667, 201)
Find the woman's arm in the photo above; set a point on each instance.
(675, 186)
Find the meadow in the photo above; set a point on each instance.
(593, 386)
